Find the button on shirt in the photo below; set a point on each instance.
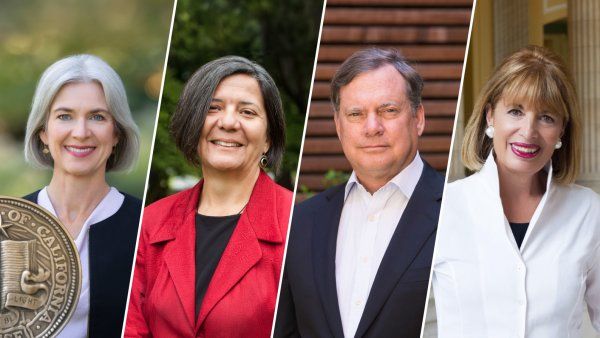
(110, 204)
(366, 227)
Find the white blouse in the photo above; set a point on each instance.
(110, 204)
(484, 286)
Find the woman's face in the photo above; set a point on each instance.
(234, 135)
(524, 137)
(80, 132)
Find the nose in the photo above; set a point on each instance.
(373, 125)
(529, 128)
(81, 129)
(228, 119)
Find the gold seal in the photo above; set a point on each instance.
(40, 272)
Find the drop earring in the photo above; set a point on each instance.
(558, 144)
(489, 131)
(46, 151)
(263, 161)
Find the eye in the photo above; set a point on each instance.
(515, 112)
(97, 117)
(547, 118)
(354, 115)
(389, 111)
(64, 117)
(213, 108)
(248, 112)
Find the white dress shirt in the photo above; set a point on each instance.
(110, 204)
(485, 286)
(366, 227)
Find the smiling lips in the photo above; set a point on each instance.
(525, 150)
(80, 151)
(226, 144)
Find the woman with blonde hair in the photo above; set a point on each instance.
(518, 243)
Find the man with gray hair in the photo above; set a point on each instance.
(359, 254)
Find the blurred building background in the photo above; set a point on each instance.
(279, 35)
(130, 35)
(570, 29)
(432, 34)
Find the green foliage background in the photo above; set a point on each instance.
(279, 35)
(130, 35)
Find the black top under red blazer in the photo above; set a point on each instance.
(308, 304)
(111, 248)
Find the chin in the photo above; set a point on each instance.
(80, 172)
(523, 167)
(224, 165)
(377, 169)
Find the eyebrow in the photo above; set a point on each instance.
(541, 110)
(354, 110)
(243, 103)
(387, 104)
(69, 110)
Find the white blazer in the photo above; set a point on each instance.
(484, 286)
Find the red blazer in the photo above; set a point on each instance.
(240, 299)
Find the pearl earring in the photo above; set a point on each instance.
(489, 131)
(558, 144)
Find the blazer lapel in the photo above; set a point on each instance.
(258, 222)
(179, 250)
(325, 229)
(419, 220)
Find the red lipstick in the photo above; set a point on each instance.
(525, 150)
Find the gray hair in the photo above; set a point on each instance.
(77, 69)
(371, 59)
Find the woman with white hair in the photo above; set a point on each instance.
(80, 126)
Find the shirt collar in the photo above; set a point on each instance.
(109, 205)
(406, 180)
(490, 172)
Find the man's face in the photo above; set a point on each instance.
(376, 125)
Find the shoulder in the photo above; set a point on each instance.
(317, 201)
(284, 196)
(463, 185)
(128, 215)
(32, 197)
(131, 202)
(433, 175)
(461, 193)
(160, 212)
(164, 204)
(575, 194)
(283, 206)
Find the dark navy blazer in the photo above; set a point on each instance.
(111, 248)
(308, 305)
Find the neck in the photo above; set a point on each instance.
(512, 185)
(226, 193)
(74, 198)
(372, 184)
(520, 194)
(373, 181)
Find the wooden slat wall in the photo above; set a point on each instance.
(430, 33)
